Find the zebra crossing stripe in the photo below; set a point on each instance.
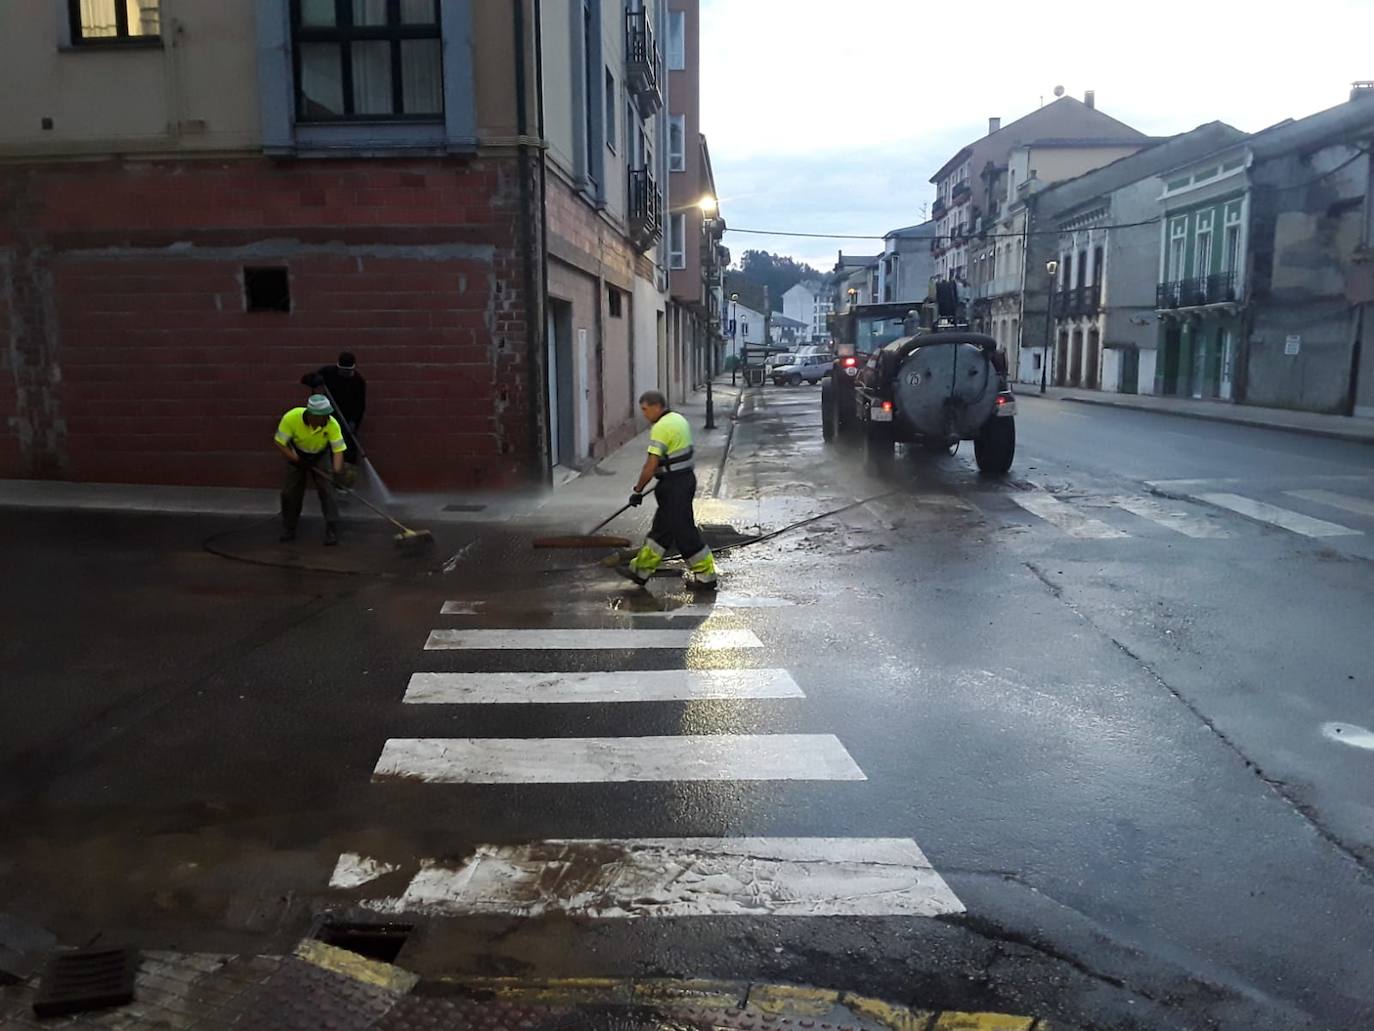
(722, 600)
(1360, 506)
(677, 877)
(1065, 517)
(1170, 518)
(1281, 517)
(462, 608)
(587, 760)
(655, 685)
(699, 639)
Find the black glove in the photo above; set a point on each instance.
(636, 499)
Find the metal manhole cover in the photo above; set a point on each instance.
(86, 979)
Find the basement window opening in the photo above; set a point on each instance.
(266, 289)
(382, 942)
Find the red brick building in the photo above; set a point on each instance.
(196, 211)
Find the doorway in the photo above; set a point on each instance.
(1173, 344)
(559, 360)
(1090, 372)
(1061, 360)
(1130, 370)
(1076, 365)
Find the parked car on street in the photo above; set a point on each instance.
(805, 368)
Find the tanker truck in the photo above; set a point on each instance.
(934, 386)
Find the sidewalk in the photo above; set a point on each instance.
(603, 486)
(1336, 427)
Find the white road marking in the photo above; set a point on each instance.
(1280, 517)
(586, 760)
(1063, 516)
(1170, 518)
(1360, 506)
(655, 685)
(462, 608)
(352, 870)
(676, 877)
(589, 640)
(722, 600)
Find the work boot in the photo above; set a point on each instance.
(287, 535)
(331, 535)
(694, 584)
(631, 575)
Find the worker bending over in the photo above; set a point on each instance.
(304, 436)
(670, 463)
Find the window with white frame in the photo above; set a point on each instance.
(1202, 256)
(677, 241)
(677, 40)
(677, 143)
(1230, 254)
(1178, 249)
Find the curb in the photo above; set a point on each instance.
(740, 1005)
(1235, 420)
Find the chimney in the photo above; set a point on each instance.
(993, 125)
(1090, 98)
(1362, 90)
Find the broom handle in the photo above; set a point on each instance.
(354, 494)
(603, 522)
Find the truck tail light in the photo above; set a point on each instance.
(887, 406)
(849, 363)
(1003, 399)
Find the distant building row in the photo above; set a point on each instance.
(1211, 264)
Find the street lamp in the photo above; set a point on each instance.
(1051, 269)
(708, 207)
(734, 336)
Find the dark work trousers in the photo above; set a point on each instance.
(351, 439)
(675, 525)
(297, 477)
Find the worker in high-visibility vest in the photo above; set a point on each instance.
(670, 464)
(310, 438)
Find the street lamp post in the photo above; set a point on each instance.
(734, 336)
(708, 207)
(1051, 268)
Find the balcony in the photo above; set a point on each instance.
(1079, 300)
(645, 210)
(643, 72)
(960, 194)
(1221, 288)
(938, 209)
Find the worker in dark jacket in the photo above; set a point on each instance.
(345, 384)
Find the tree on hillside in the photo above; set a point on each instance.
(776, 271)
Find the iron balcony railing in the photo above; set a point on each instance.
(645, 209)
(938, 209)
(961, 193)
(644, 71)
(1220, 288)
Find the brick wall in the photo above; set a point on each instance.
(123, 321)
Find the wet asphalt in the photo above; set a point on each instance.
(1109, 746)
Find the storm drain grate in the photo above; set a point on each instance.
(375, 941)
(86, 979)
(464, 508)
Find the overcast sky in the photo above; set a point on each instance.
(832, 116)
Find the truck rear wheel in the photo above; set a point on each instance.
(995, 447)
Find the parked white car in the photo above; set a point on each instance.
(805, 368)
